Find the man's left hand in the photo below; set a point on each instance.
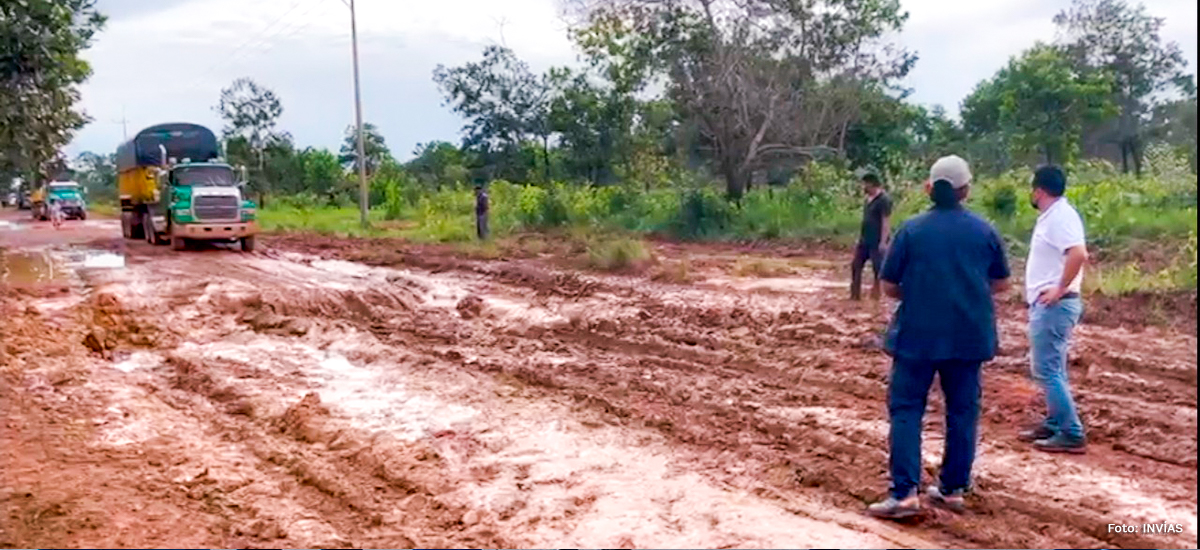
(1051, 296)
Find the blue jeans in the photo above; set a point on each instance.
(907, 393)
(1049, 338)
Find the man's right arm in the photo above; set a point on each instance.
(998, 270)
(894, 264)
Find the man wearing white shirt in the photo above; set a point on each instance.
(1053, 278)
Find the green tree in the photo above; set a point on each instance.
(40, 73)
(762, 81)
(1045, 100)
(1125, 42)
(98, 175)
(374, 148)
(1174, 123)
(250, 111)
(887, 133)
(322, 174)
(439, 162)
(504, 105)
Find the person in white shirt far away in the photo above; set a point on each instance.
(1053, 279)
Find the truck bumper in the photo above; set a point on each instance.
(215, 231)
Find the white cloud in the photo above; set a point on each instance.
(168, 60)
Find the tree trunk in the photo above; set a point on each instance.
(546, 158)
(735, 182)
(262, 173)
(1135, 149)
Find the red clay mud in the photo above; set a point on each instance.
(327, 392)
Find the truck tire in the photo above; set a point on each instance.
(135, 225)
(151, 231)
(83, 215)
(179, 243)
(248, 244)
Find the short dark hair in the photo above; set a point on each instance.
(945, 195)
(1050, 179)
(871, 179)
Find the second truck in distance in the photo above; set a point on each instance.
(175, 187)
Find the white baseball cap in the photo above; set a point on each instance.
(952, 169)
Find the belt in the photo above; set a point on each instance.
(1067, 296)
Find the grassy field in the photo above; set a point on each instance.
(1142, 230)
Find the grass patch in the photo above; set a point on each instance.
(618, 254)
(104, 210)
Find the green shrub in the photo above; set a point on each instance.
(702, 213)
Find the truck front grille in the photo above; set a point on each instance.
(215, 208)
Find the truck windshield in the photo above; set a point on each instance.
(67, 191)
(204, 176)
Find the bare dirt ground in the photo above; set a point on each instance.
(324, 392)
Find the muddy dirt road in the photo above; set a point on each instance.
(330, 393)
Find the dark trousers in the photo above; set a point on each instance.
(481, 226)
(862, 253)
(907, 392)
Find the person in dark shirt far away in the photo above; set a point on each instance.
(944, 266)
(873, 238)
(481, 211)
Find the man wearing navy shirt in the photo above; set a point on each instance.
(944, 266)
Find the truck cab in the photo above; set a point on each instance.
(202, 201)
(66, 193)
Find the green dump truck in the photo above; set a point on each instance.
(68, 196)
(175, 187)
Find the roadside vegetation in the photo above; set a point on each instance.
(1142, 228)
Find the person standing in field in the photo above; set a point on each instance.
(944, 266)
(873, 236)
(1053, 279)
(481, 211)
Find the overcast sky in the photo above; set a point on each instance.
(167, 60)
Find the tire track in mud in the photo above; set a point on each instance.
(203, 444)
(730, 376)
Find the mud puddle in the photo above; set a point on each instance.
(27, 268)
(34, 267)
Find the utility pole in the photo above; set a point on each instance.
(124, 124)
(362, 160)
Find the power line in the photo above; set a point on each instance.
(225, 60)
(294, 30)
